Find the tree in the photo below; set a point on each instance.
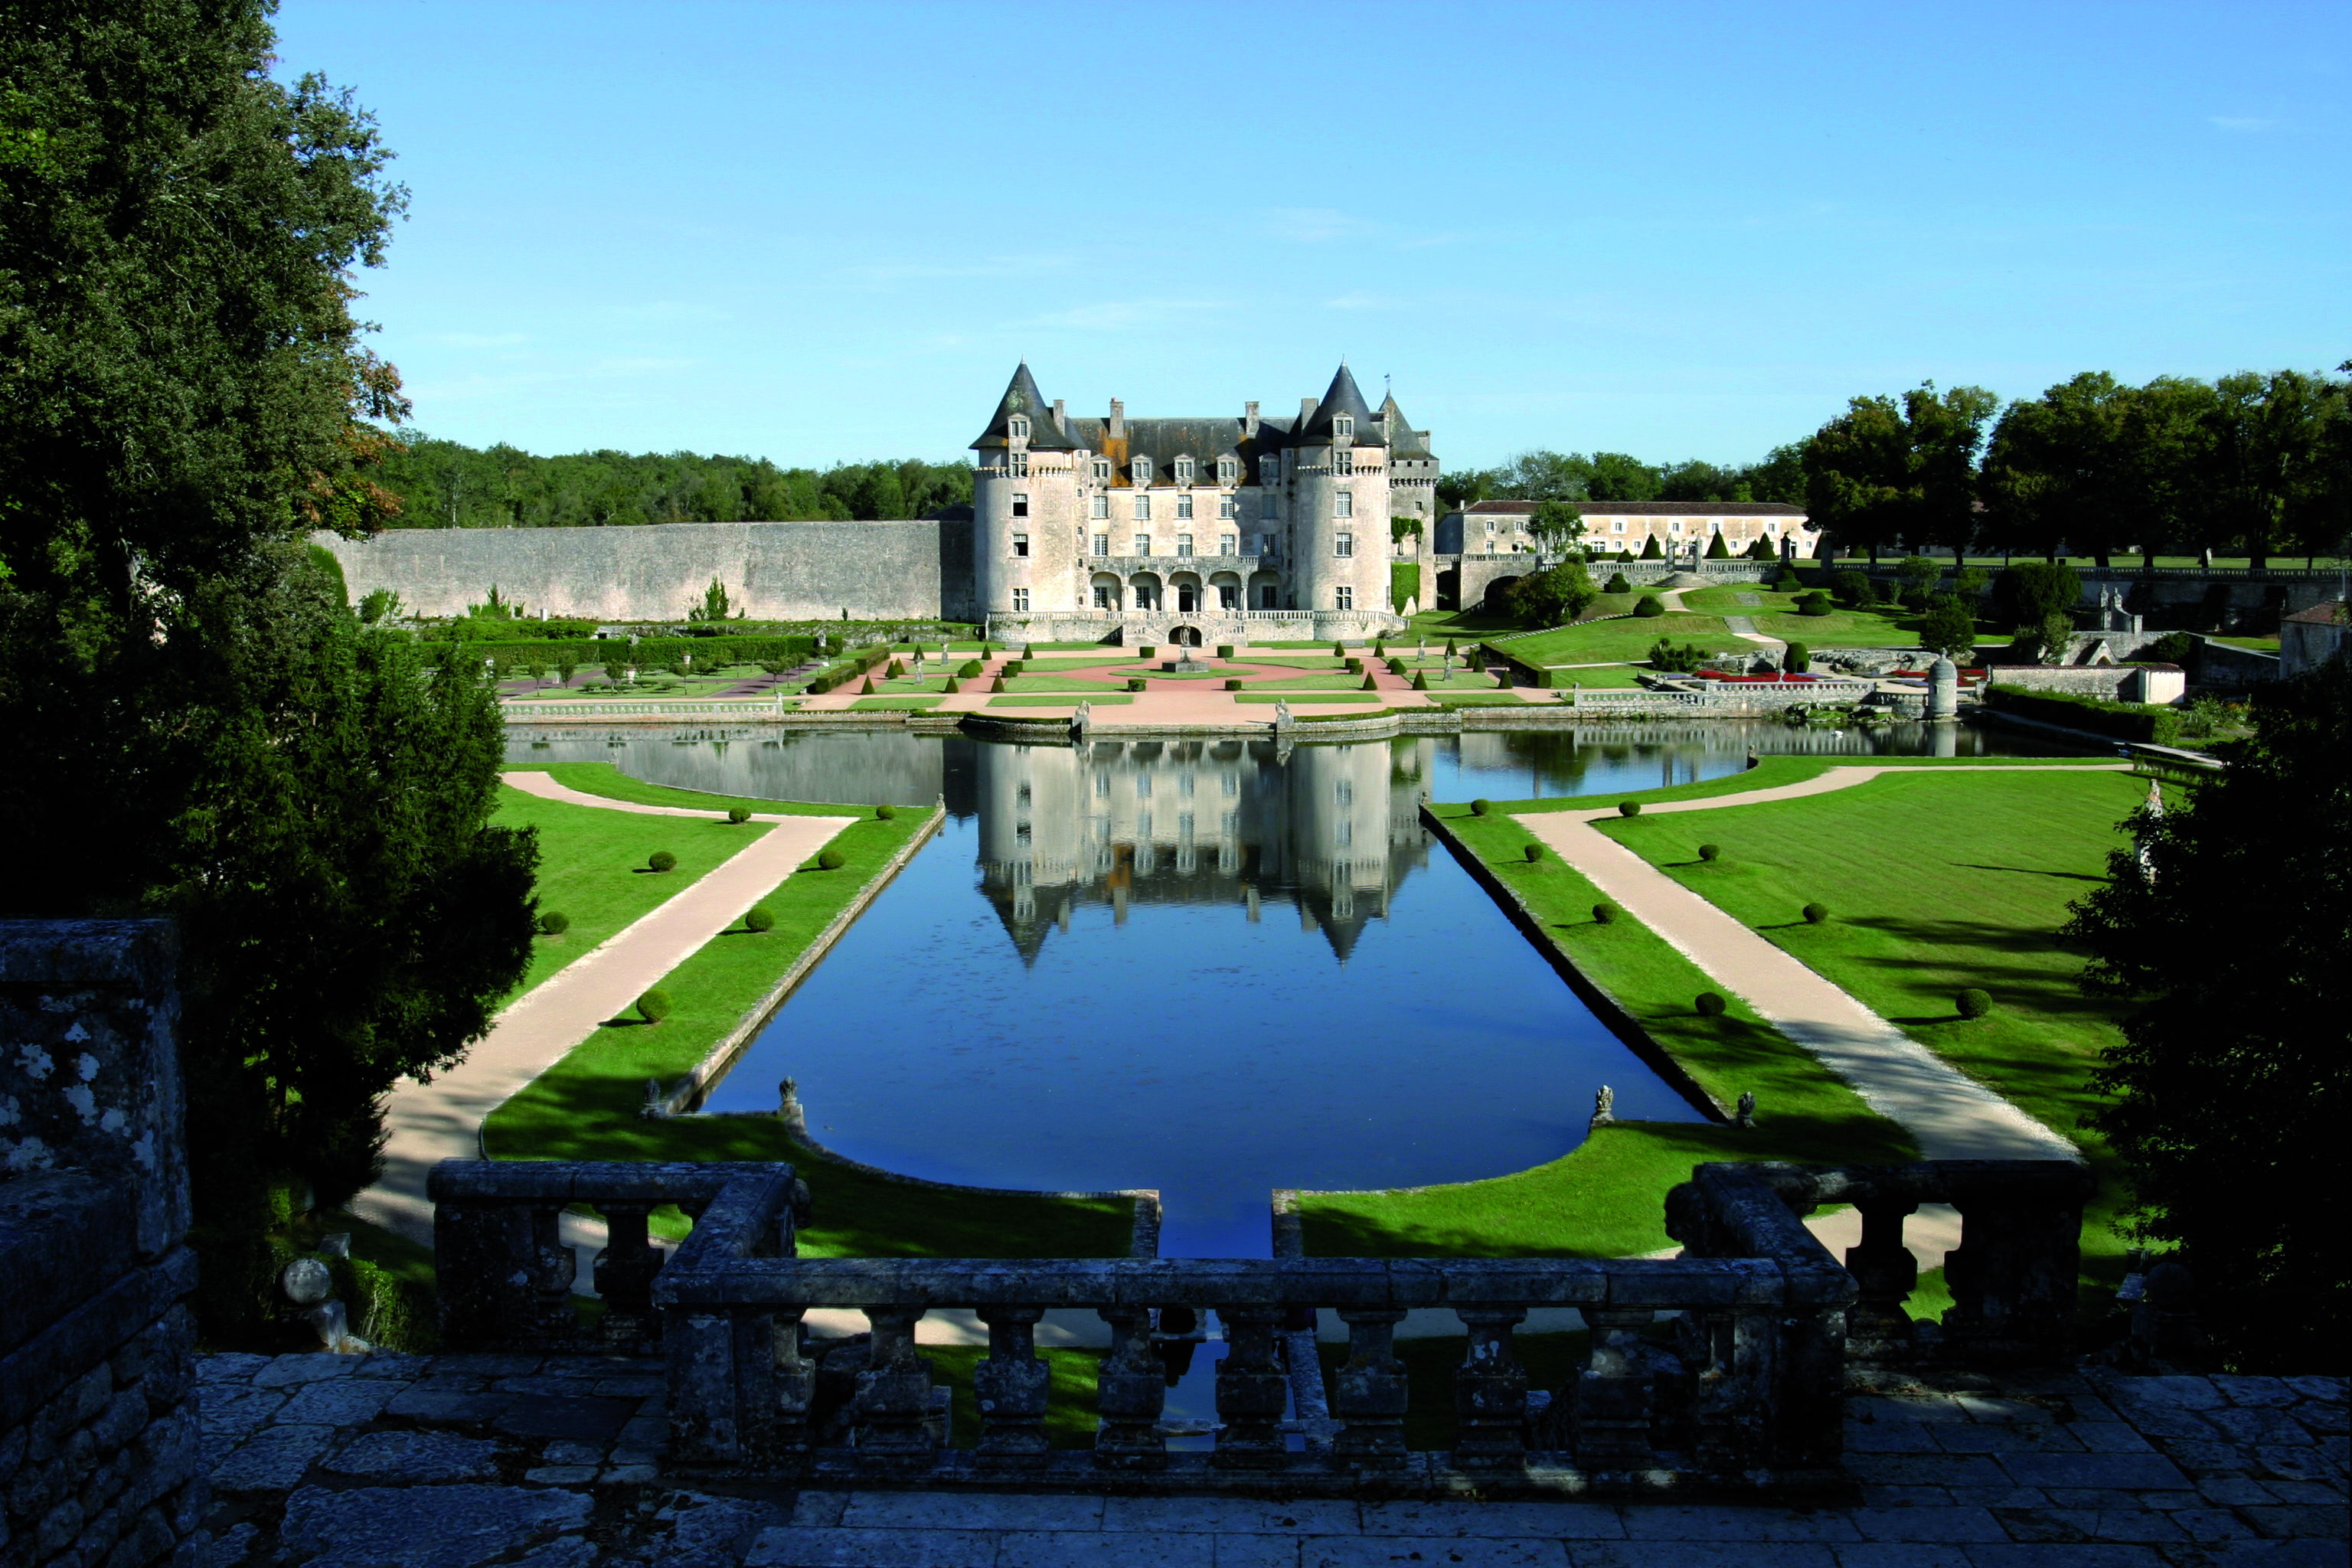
(1948, 627)
(1918, 573)
(2266, 447)
(1557, 525)
(2032, 592)
(2228, 1088)
(197, 726)
(1883, 471)
(1553, 597)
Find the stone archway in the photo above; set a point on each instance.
(1184, 636)
(1449, 589)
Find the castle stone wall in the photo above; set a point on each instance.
(919, 569)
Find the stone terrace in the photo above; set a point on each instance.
(392, 1461)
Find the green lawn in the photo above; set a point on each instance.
(1058, 699)
(909, 703)
(1937, 881)
(1298, 698)
(609, 781)
(1606, 1198)
(1595, 642)
(1612, 677)
(1294, 661)
(1773, 771)
(585, 1106)
(1065, 683)
(591, 867)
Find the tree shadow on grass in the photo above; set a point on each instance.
(2030, 871)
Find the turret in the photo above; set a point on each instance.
(1339, 503)
(1024, 506)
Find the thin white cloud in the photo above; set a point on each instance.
(1362, 301)
(1316, 226)
(1112, 315)
(993, 267)
(481, 340)
(2242, 123)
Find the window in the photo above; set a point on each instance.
(1019, 462)
(1143, 545)
(1343, 544)
(1020, 544)
(1228, 596)
(1141, 471)
(1017, 428)
(1344, 424)
(1268, 509)
(1343, 792)
(1343, 598)
(1184, 506)
(1183, 470)
(1344, 504)
(1224, 506)
(1188, 600)
(1265, 597)
(1020, 600)
(1102, 598)
(1225, 471)
(1618, 526)
(1344, 831)
(1102, 543)
(1269, 469)
(1101, 507)
(1020, 503)
(1102, 786)
(1343, 461)
(1229, 785)
(1183, 545)
(1143, 509)
(1228, 544)
(1102, 470)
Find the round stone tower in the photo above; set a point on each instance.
(1340, 501)
(1943, 690)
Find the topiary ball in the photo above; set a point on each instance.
(654, 1005)
(1710, 1004)
(759, 917)
(1710, 851)
(553, 922)
(1815, 915)
(1629, 808)
(886, 814)
(739, 815)
(828, 860)
(1972, 1004)
(1135, 683)
(1480, 808)
(1534, 853)
(1233, 686)
(1604, 914)
(1649, 605)
(661, 860)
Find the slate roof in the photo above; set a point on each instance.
(1022, 396)
(1203, 440)
(1404, 441)
(1344, 397)
(1649, 508)
(2319, 614)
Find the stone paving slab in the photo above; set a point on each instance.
(475, 1461)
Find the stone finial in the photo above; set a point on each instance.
(306, 1281)
(1604, 1107)
(1744, 1113)
(788, 1107)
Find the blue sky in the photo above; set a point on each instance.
(826, 233)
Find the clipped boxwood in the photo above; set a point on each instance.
(1816, 914)
(1617, 584)
(1606, 914)
(661, 860)
(1709, 1003)
(1972, 1004)
(1710, 851)
(1649, 605)
(1225, 650)
(759, 917)
(1481, 806)
(739, 815)
(1629, 808)
(968, 668)
(886, 814)
(553, 922)
(829, 860)
(1233, 686)
(654, 1005)
(1135, 683)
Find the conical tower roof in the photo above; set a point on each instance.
(1344, 397)
(1022, 396)
(1404, 441)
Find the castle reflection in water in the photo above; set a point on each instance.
(1331, 831)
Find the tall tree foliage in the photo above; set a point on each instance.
(1888, 472)
(1544, 475)
(198, 726)
(2228, 1089)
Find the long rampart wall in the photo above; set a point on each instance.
(919, 569)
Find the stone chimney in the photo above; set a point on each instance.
(1307, 408)
(1059, 419)
(1117, 419)
(1249, 419)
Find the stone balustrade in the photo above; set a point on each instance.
(1720, 1370)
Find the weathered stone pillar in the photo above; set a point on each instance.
(1252, 1393)
(1368, 1394)
(1011, 1388)
(1490, 1391)
(894, 1391)
(1612, 1393)
(1129, 1393)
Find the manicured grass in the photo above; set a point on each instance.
(1067, 682)
(1593, 642)
(1489, 698)
(907, 704)
(2257, 645)
(591, 867)
(1069, 1394)
(1773, 771)
(1294, 661)
(1338, 680)
(1058, 699)
(1611, 676)
(609, 781)
(1606, 1198)
(1298, 698)
(586, 1106)
(1936, 883)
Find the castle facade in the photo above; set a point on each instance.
(1191, 531)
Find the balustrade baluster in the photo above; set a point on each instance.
(1884, 1272)
(1368, 1395)
(2012, 1277)
(1490, 1391)
(1732, 1351)
(793, 1382)
(894, 1393)
(1612, 1394)
(625, 1274)
(1251, 1391)
(1010, 1387)
(1129, 1393)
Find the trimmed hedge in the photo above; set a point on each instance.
(2116, 721)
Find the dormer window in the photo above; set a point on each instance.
(1017, 428)
(1344, 424)
(1224, 470)
(1141, 471)
(1183, 470)
(1102, 470)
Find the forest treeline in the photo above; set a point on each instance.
(446, 484)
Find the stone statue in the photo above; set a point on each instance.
(1604, 1107)
(1744, 1113)
(1282, 715)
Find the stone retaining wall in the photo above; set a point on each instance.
(99, 1441)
